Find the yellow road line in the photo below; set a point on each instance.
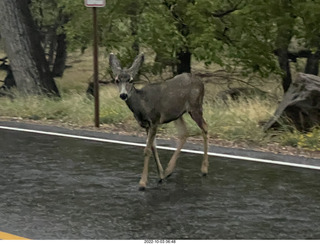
(7, 236)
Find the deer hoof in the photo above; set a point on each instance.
(167, 173)
(204, 170)
(142, 188)
(167, 176)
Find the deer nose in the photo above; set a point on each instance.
(124, 96)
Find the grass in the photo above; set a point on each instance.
(238, 121)
(73, 108)
(310, 140)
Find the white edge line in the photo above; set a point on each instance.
(163, 148)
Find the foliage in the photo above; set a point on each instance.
(241, 33)
(49, 18)
(310, 140)
(45, 13)
(79, 28)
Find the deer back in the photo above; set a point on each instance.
(160, 103)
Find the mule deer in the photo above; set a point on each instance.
(160, 103)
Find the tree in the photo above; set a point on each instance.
(50, 21)
(308, 33)
(267, 36)
(255, 36)
(22, 44)
(189, 29)
(166, 27)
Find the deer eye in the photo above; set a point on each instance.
(117, 81)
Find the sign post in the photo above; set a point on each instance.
(94, 4)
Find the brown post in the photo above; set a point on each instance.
(95, 68)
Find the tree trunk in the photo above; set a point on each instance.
(61, 56)
(134, 32)
(22, 44)
(51, 38)
(183, 53)
(285, 26)
(312, 66)
(284, 64)
(184, 61)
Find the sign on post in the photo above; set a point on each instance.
(95, 3)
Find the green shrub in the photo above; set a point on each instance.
(310, 140)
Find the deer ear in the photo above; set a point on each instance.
(114, 64)
(133, 70)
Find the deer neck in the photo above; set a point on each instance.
(134, 101)
(136, 104)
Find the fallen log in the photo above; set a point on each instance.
(300, 104)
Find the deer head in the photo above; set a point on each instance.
(124, 77)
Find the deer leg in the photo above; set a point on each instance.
(157, 159)
(198, 118)
(182, 135)
(147, 153)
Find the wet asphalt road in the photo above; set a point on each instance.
(62, 188)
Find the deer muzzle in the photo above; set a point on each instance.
(124, 96)
(123, 91)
